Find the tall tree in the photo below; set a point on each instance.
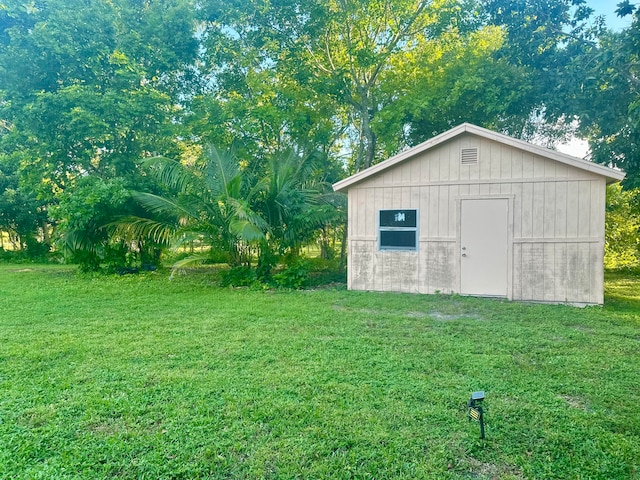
(460, 80)
(88, 88)
(609, 98)
(22, 215)
(87, 94)
(360, 46)
(546, 40)
(254, 97)
(384, 74)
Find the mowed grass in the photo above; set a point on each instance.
(142, 377)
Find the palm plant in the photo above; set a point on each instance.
(293, 202)
(209, 204)
(231, 209)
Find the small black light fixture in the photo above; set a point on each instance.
(475, 410)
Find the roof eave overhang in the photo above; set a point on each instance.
(611, 175)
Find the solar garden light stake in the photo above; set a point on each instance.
(475, 410)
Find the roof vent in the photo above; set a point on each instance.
(469, 156)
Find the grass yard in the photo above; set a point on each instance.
(141, 377)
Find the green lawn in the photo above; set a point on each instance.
(142, 377)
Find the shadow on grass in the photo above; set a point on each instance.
(622, 292)
(622, 304)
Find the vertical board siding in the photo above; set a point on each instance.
(361, 272)
(454, 164)
(561, 210)
(573, 189)
(387, 281)
(515, 158)
(550, 273)
(454, 192)
(445, 164)
(370, 226)
(527, 165)
(560, 267)
(496, 160)
(440, 268)
(573, 267)
(516, 190)
(584, 209)
(507, 166)
(484, 164)
(597, 287)
(598, 207)
(583, 280)
(443, 211)
(537, 210)
(434, 168)
(557, 222)
(549, 212)
(517, 267)
(432, 212)
(526, 214)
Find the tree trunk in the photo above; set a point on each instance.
(46, 235)
(367, 141)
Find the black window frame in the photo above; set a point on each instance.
(405, 229)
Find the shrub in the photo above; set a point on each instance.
(326, 271)
(238, 277)
(310, 272)
(36, 252)
(622, 235)
(294, 275)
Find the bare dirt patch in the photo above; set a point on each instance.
(448, 317)
(482, 470)
(582, 328)
(575, 402)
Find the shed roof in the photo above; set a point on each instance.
(612, 175)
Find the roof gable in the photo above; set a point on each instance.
(610, 174)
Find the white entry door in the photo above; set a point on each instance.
(484, 246)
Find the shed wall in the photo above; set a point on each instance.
(557, 222)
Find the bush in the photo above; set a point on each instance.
(238, 277)
(295, 275)
(622, 234)
(326, 272)
(36, 252)
(310, 272)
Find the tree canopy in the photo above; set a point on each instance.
(89, 90)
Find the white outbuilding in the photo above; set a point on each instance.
(476, 212)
